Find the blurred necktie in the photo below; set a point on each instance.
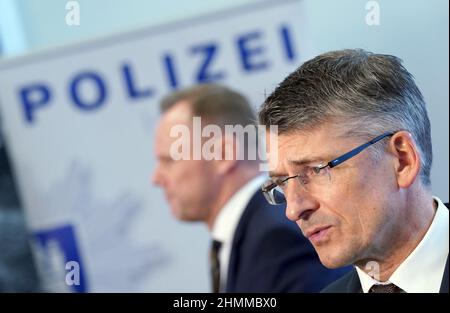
(389, 288)
(215, 265)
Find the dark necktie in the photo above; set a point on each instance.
(389, 288)
(215, 265)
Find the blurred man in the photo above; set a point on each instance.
(354, 159)
(255, 248)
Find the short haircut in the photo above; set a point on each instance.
(223, 107)
(369, 93)
(214, 102)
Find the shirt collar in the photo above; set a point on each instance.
(428, 259)
(230, 214)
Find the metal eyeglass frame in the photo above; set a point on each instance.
(333, 163)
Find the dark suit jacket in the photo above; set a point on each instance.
(350, 282)
(270, 254)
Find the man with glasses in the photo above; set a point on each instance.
(254, 247)
(353, 165)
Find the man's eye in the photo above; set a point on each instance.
(304, 179)
(318, 170)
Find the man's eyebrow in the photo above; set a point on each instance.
(306, 161)
(276, 174)
(293, 162)
(299, 162)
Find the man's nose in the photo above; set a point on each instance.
(157, 177)
(300, 204)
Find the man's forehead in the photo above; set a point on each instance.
(169, 122)
(301, 148)
(179, 113)
(300, 140)
(330, 132)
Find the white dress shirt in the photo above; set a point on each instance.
(423, 269)
(227, 221)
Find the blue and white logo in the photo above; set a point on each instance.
(59, 260)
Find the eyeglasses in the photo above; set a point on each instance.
(311, 178)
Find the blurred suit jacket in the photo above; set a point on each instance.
(270, 254)
(350, 283)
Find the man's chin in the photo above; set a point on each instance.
(333, 262)
(180, 214)
(176, 212)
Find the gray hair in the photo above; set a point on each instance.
(369, 93)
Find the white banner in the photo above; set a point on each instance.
(78, 122)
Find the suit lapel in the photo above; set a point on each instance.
(353, 283)
(238, 238)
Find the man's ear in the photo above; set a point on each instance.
(407, 158)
